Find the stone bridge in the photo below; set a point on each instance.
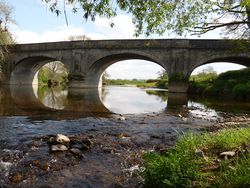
(179, 57)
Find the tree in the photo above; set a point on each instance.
(52, 74)
(163, 75)
(78, 37)
(105, 78)
(5, 15)
(208, 70)
(158, 16)
(5, 36)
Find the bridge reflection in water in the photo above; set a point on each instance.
(54, 103)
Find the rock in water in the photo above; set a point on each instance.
(76, 152)
(58, 147)
(60, 138)
(122, 118)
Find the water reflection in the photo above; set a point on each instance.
(133, 100)
(54, 97)
(57, 103)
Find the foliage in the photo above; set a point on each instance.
(126, 82)
(181, 167)
(5, 36)
(53, 74)
(76, 76)
(163, 95)
(5, 15)
(178, 77)
(157, 16)
(231, 84)
(162, 80)
(78, 37)
(105, 78)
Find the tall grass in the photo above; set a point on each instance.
(181, 167)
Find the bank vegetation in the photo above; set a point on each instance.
(232, 85)
(217, 159)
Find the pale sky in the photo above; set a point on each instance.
(35, 23)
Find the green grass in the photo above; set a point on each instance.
(126, 82)
(181, 167)
(155, 83)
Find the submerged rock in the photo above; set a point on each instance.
(58, 147)
(122, 118)
(82, 144)
(76, 152)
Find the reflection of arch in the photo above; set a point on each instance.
(80, 103)
(245, 61)
(26, 69)
(98, 67)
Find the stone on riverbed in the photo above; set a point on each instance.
(82, 144)
(60, 138)
(76, 152)
(58, 147)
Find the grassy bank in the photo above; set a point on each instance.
(195, 161)
(153, 83)
(231, 84)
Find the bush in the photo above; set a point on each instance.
(231, 84)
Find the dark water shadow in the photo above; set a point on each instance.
(29, 101)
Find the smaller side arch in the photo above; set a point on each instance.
(245, 61)
(25, 70)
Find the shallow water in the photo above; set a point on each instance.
(153, 119)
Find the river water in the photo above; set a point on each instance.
(120, 122)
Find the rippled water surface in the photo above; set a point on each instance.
(153, 116)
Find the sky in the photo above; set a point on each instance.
(35, 23)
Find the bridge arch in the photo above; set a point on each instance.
(98, 67)
(26, 69)
(240, 60)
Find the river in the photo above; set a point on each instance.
(120, 122)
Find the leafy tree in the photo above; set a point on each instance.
(163, 79)
(52, 74)
(5, 15)
(158, 16)
(162, 75)
(209, 70)
(78, 37)
(5, 36)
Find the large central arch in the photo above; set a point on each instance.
(97, 68)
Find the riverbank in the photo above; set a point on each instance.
(115, 155)
(232, 85)
(217, 159)
(150, 83)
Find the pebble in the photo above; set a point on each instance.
(199, 153)
(122, 118)
(228, 154)
(76, 152)
(59, 147)
(60, 138)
